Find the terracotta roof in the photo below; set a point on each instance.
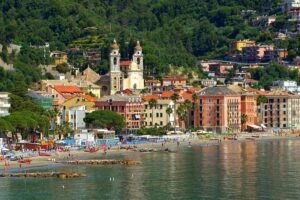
(260, 92)
(127, 91)
(152, 81)
(249, 80)
(67, 89)
(187, 95)
(89, 98)
(177, 78)
(149, 97)
(125, 63)
(167, 94)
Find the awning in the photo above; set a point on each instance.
(263, 126)
(254, 126)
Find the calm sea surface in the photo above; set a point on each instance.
(261, 170)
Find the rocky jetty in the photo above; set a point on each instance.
(62, 175)
(104, 162)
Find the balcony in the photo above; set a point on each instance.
(5, 105)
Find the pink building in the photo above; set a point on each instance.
(219, 110)
(177, 81)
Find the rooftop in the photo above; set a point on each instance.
(217, 91)
(120, 98)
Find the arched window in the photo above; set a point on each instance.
(134, 86)
(138, 61)
(115, 60)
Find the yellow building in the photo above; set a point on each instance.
(59, 57)
(82, 100)
(160, 117)
(237, 46)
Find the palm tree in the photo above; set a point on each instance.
(182, 112)
(175, 97)
(152, 105)
(169, 111)
(244, 119)
(195, 98)
(187, 105)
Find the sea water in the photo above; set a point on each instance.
(249, 170)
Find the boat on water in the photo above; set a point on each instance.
(230, 138)
(25, 160)
(91, 150)
(44, 154)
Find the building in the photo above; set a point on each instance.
(274, 112)
(152, 83)
(59, 57)
(176, 81)
(42, 98)
(4, 104)
(248, 106)
(220, 68)
(124, 74)
(160, 117)
(237, 46)
(93, 56)
(206, 82)
(290, 86)
(258, 53)
(60, 93)
(219, 110)
(292, 7)
(130, 107)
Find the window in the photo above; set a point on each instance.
(161, 123)
(160, 106)
(200, 101)
(150, 123)
(284, 100)
(218, 115)
(150, 114)
(218, 101)
(146, 106)
(157, 114)
(161, 115)
(146, 115)
(200, 122)
(115, 61)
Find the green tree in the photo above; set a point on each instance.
(152, 105)
(105, 119)
(175, 97)
(169, 111)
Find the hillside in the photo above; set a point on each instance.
(172, 32)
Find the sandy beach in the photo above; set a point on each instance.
(58, 158)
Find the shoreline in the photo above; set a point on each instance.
(61, 157)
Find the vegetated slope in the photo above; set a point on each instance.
(171, 31)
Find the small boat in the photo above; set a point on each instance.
(26, 160)
(44, 154)
(91, 150)
(230, 138)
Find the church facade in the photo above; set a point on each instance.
(126, 74)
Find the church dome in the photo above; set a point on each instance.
(138, 46)
(115, 45)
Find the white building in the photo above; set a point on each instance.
(85, 137)
(290, 86)
(4, 104)
(75, 117)
(292, 7)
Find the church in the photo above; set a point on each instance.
(126, 74)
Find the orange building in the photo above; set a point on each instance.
(219, 110)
